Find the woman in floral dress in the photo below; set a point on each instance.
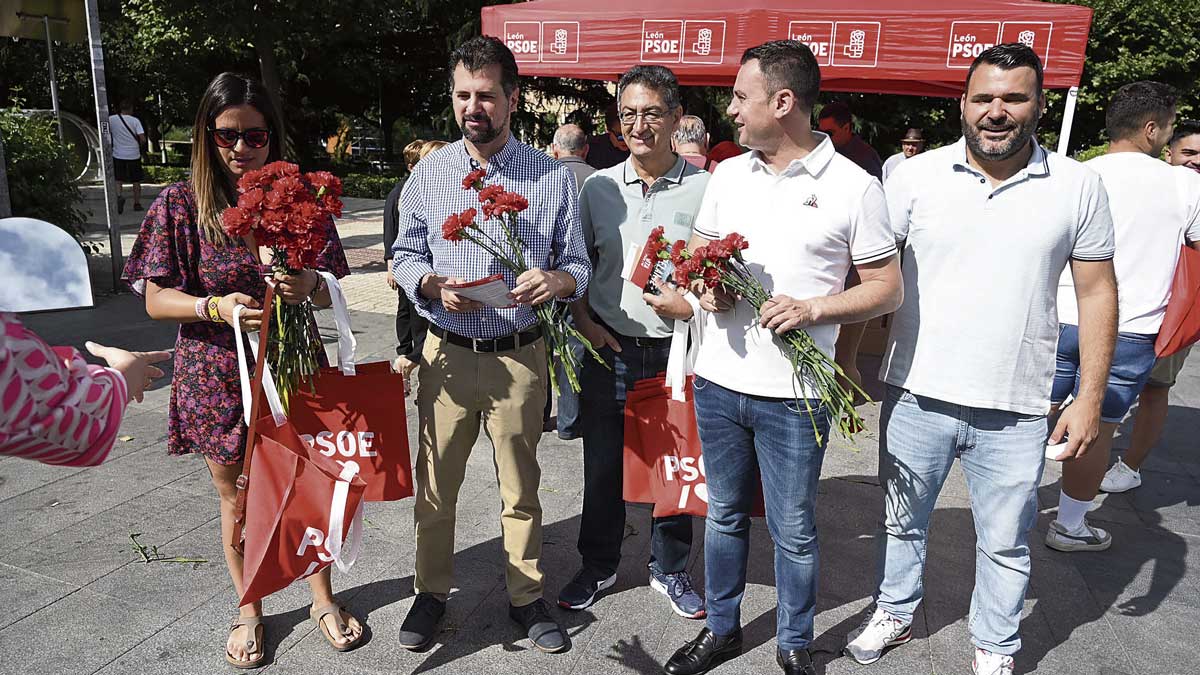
(191, 273)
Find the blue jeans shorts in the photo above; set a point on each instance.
(1133, 359)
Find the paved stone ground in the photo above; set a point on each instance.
(78, 599)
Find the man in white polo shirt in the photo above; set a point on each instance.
(809, 215)
(1155, 209)
(989, 224)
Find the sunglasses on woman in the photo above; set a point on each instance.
(227, 138)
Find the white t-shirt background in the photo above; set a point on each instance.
(981, 267)
(1155, 209)
(804, 227)
(125, 144)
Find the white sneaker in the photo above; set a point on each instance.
(987, 663)
(1086, 538)
(1120, 478)
(877, 632)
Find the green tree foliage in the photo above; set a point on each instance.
(41, 175)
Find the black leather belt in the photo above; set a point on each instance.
(646, 342)
(489, 345)
(643, 342)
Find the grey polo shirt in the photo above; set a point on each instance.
(615, 215)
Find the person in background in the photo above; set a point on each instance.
(484, 366)
(835, 119)
(631, 331)
(429, 147)
(911, 145)
(609, 148)
(410, 326)
(1156, 209)
(128, 141)
(191, 273)
(42, 389)
(1150, 416)
(988, 225)
(570, 147)
(691, 143)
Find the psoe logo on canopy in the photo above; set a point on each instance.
(969, 39)
(817, 36)
(662, 41)
(523, 39)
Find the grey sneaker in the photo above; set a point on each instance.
(1086, 538)
(876, 633)
(685, 601)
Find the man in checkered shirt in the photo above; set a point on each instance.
(482, 364)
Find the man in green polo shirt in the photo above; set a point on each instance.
(619, 206)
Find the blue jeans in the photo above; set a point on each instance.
(569, 426)
(1002, 456)
(1133, 360)
(744, 436)
(602, 418)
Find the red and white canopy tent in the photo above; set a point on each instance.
(916, 47)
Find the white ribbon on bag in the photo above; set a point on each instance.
(681, 360)
(272, 394)
(344, 557)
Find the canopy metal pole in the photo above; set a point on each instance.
(53, 79)
(1064, 136)
(96, 49)
(5, 201)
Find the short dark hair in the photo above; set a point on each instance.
(482, 51)
(1008, 56)
(788, 64)
(840, 112)
(1137, 103)
(1183, 129)
(612, 118)
(658, 78)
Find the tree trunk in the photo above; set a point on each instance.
(269, 72)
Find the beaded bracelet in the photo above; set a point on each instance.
(201, 312)
(213, 314)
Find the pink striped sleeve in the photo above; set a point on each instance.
(55, 407)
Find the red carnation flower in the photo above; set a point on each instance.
(509, 202)
(455, 227)
(677, 251)
(712, 277)
(475, 177)
(325, 183)
(490, 193)
(237, 222)
(736, 241)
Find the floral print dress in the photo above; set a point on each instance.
(206, 396)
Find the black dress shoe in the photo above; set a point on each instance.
(420, 625)
(543, 631)
(795, 661)
(703, 653)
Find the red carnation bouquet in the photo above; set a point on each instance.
(502, 206)
(292, 214)
(721, 263)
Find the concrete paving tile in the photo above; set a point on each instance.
(98, 545)
(78, 634)
(19, 476)
(24, 592)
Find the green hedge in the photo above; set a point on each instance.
(164, 174)
(1091, 153)
(368, 186)
(41, 172)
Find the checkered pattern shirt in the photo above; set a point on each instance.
(549, 228)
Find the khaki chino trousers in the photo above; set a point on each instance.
(457, 391)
